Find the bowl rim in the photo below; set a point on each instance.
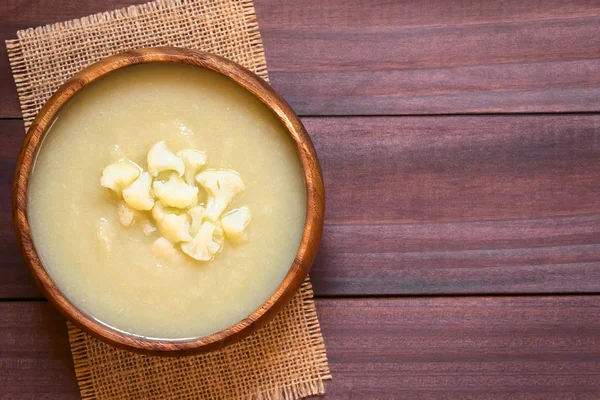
(313, 179)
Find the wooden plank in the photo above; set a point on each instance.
(15, 278)
(35, 360)
(348, 58)
(432, 205)
(461, 348)
(413, 348)
(431, 169)
(413, 57)
(459, 204)
(459, 258)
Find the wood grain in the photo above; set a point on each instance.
(450, 205)
(461, 348)
(415, 348)
(360, 57)
(35, 359)
(313, 180)
(550, 255)
(434, 205)
(432, 169)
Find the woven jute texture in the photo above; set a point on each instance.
(285, 359)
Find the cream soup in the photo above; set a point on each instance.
(127, 286)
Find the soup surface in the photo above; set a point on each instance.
(128, 288)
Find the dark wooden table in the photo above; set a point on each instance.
(460, 142)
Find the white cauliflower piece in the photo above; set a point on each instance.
(126, 214)
(175, 227)
(221, 186)
(234, 224)
(104, 234)
(175, 192)
(160, 159)
(164, 249)
(147, 227)
(202, 247)
(193, 160)
(116, 176)
(218, 234)
(137, 195)
(197, 215)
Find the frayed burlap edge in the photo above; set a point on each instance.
(23, 84)
(78, 341)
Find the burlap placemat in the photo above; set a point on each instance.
(284, 360)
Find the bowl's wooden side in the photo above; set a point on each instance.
(314, 191)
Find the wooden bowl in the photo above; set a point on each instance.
(314, 196)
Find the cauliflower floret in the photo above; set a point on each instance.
(137, 195)
(197, 215)
(221, 186)
(159, 212)
(201, 229)
(104, 234)
(234, 224)
(117, 176)
(166, 250)
(219, 234)
(202, 247)
(126, 214)
(160, 159)
(193, 160)
(175, 227)
(175, 192)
